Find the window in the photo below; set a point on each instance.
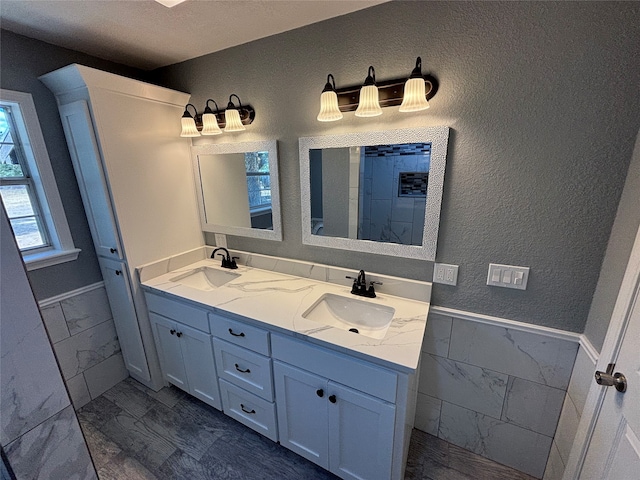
(258, 181)
(27, 186)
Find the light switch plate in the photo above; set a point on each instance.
(508, 276)
(445, 273)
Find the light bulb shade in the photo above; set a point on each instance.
(189, 127)
(369, 105)
(329, 111)
(232, 119)
(415, 97)
(210, 125)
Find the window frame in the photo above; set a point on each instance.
(61, 248)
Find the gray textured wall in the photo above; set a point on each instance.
(22, 61)
(542, 99)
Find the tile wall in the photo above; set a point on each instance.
(572, 408)
(495, 390)
(39, 431)
(85, 342)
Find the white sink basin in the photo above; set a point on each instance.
(205, 278)
(359, 316)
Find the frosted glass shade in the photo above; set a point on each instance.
(189, 127)
(210, 125)
(369, 105)
(329, 111)
(414, 98)
(232, 118)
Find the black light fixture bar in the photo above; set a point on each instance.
(390, 93)
(247, 116)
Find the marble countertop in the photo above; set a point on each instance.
(279, 300)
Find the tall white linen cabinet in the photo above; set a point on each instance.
(134, 174)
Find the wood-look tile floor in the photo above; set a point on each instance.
(135, 433)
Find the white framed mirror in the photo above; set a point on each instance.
(238, 188)
(375, 192)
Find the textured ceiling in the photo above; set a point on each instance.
(148, 35)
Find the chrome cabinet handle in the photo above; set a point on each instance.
(610, 379)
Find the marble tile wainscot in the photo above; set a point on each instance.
(39, 431)
(82, 331)
(497, 387)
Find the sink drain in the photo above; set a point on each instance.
(354, 330)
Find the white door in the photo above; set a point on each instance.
(613, 452)
(169, 350)
(197, 352)
(361, 431)
(302, 401)
(118, 287)
(87, 163)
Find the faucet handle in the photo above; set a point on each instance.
(232, 262)
(373, 282)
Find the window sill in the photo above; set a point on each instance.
(35, 261)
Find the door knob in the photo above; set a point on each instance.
(610, 379)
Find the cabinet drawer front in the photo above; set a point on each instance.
(253, 411)
(239, 333)
(183, 313)
(343, 369)
(244, 368)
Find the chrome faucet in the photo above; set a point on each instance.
(227, 261)
(359, 286)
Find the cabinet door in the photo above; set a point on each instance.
(197, 352)
(87, 163)
(116, 283)
(168, 344)
(301, 400)
(361, 429)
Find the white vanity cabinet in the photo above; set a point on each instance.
(349, 432)
(244, 370)
(343, 412)
(183, 341)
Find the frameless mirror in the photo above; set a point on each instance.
(237, 186)
(376, 192)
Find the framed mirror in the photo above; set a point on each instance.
(237, 187)
(375, 192)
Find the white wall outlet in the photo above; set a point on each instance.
(444, 273)
(508, 276)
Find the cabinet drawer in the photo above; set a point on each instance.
(352, 372)
(244, 368)
(239, 333)
(183, 313)
(253, 411)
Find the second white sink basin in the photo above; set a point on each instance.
(205, 278)
(358, 316)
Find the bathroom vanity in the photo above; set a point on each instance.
(258, 344)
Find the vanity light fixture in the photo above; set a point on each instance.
(232, 116)
(369, 104)
(329, 110)
(408, 93)
(210, 122)
(415, 94)
(189, 128)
